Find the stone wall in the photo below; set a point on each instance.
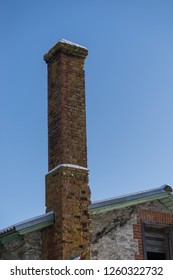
(25, 247)
(113, 235)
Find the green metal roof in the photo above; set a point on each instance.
(17, 230)
(163, 194)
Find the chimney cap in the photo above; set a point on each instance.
(66, 47)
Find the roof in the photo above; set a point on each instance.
(163, 194)
(27, 226)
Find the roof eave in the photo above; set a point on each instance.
(34, 224)
(133, 199)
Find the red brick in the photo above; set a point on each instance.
(67, 190)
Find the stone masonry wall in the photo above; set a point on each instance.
(28, 247)
(117, 234)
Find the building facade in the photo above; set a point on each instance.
(136, 226)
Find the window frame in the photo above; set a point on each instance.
(168, 228)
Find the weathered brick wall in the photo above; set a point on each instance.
(67, 190)
(117, 234)
(66, 105)
(28, 247)
(152, 216)
(68, 194)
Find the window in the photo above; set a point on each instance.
(157, 241)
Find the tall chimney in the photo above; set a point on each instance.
(67, 190)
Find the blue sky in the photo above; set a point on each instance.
(129, 93)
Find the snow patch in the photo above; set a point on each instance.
(71, 43)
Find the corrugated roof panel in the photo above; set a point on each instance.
(30, 225)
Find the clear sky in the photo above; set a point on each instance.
(129, 93)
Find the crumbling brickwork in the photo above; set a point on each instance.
(67, 190)
(69, 234)
(116, 234)
(66, 105)
(65, 231)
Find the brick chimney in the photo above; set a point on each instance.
(67, 190)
